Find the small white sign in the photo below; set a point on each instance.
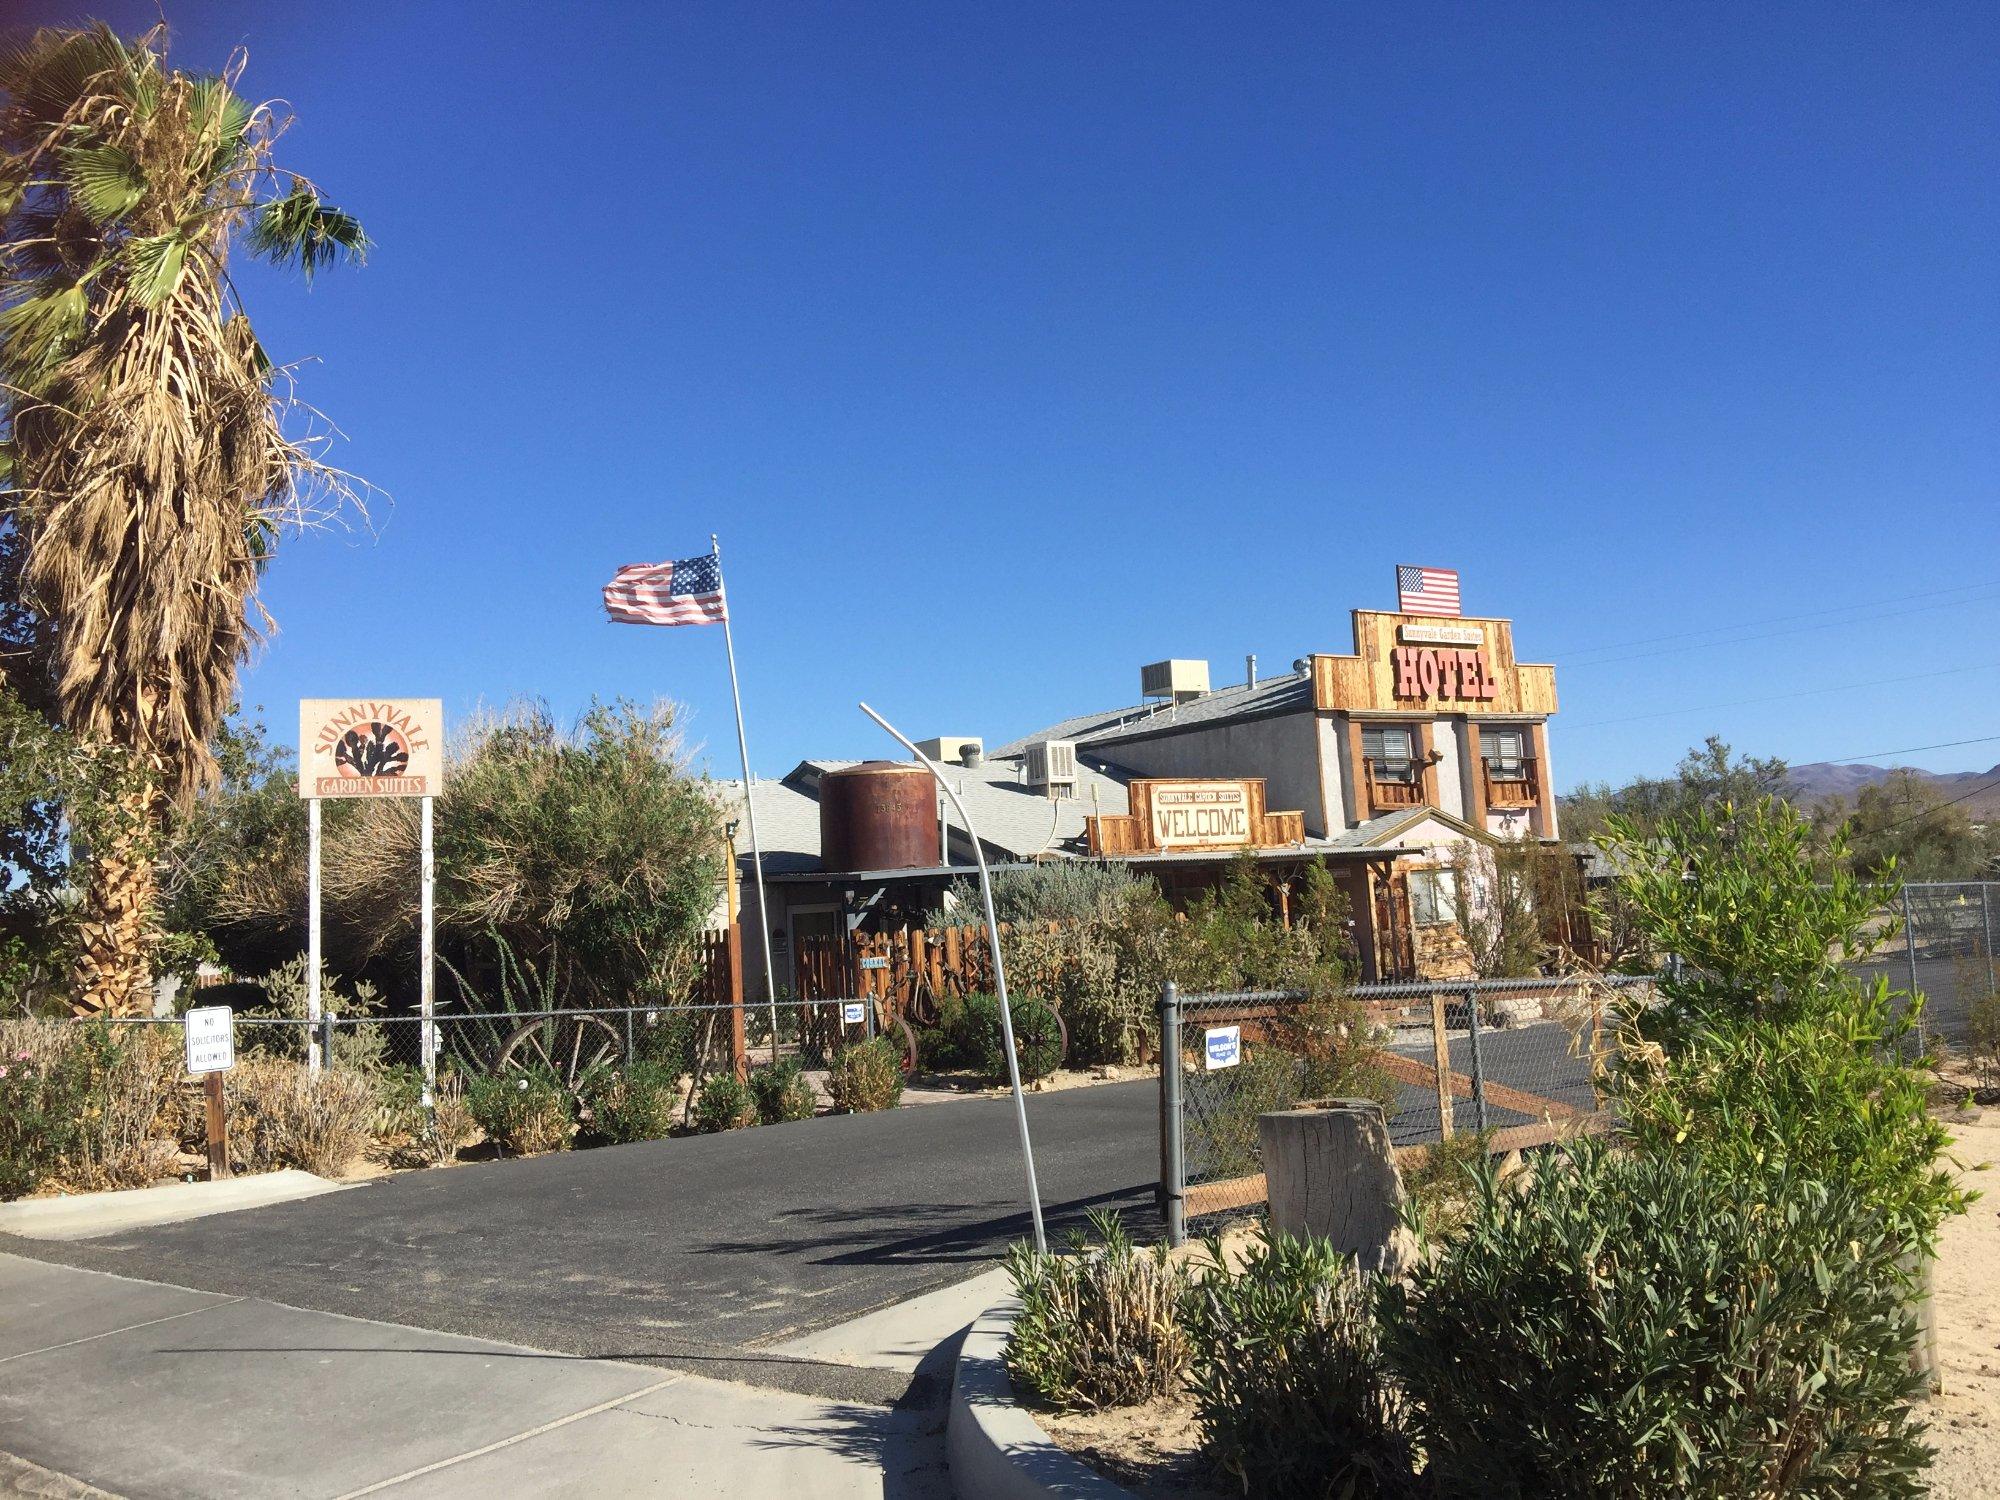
(1442, 635)
(874, 963)
(854, 1013)
(211, 1040)
(1225, 1046)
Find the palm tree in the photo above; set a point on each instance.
(152, 468)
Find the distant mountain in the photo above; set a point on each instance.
(1822, 781)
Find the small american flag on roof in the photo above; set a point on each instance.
(1427, 591)
(688, 592)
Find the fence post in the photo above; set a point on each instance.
(325, 1036)
(739, 1054)
(628, 1036)
(1441, 1056)
(1173, 1187)
(1910, 949)
(1478, 1070)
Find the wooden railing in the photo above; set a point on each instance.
(1512, 791)
(1395, 793)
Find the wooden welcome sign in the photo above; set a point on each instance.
(1190, 815)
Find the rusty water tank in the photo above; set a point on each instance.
(879, 815)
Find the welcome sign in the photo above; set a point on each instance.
(1201, 814)
(371, 747)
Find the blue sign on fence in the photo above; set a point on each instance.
(1225, 1046)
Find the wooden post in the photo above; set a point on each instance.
(739, 1052)
(218, 1129)
(1441, 1052)
(1331, 1172)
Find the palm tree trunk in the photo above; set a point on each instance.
(114, 969)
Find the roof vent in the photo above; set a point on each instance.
(1052, 767)
(1177, 679)
(949, 749)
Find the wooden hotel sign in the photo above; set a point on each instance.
(1401, 662)
(1189, 816)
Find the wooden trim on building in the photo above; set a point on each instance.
(1475, 778)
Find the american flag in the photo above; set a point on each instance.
(688, 592)
(1427, 591)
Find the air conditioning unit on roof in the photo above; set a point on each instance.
(1179, 679)
(1052, 767)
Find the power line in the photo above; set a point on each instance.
(1838, 687)
(1813, 614)
(1948, 802)
(1742, 640)
(1909, 750)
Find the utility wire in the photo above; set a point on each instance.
(1742, 640)
(1908, 750)
(1813, 614)
(1838, 687)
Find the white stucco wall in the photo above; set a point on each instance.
(1445, 739)
(1282, 749)
(1337, 774)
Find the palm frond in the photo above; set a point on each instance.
(300, 229)
(221, 115)
(104, 180)
(50, 72)
(153, 264)
(36, 333)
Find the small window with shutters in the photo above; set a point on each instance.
(1390, 750)
(1505, 752)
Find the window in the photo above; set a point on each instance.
(1390, 750)
(1505, 752)
(1433, 897)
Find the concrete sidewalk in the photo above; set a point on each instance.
(140, 1390)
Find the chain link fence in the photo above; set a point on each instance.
(1939, 943)
(1514, 1057)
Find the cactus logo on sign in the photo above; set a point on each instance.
(371, 747)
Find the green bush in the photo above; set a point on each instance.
(414, 1136)
(523, 1112)
(638, 1104)
(1099, 1326)
(725, 1103)
(43, 1091)
(866, 1077)
(781, 1093)
(948, 1044)
(1037, 1036)
(1636, 1326)
(1288, 1379)
(669, 1039)
(1442, 1188)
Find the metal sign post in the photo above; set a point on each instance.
(999, 976)
(312, 936)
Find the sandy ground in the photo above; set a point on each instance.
(1151, 1448)
(1965, 1419)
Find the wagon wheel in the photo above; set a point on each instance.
(900, 1036)
(569, 1047)
(1032, 1033)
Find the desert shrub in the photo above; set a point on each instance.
(43, 1089)
(1443, 1187)
(413, 1135)
(724, 1103)
(279, 1115)
(1632, 1325)
(637, 1104)
(523, 1112)
(1037, 1036)
(1099, 1326)
(946, 1045)
(361, 1047)
(866, 1077)
(781, 1093)
(668, 1039)
(1982, 1022)
(129, 1133)
(1288, 1380)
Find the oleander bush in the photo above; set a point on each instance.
(280, 1115)
(1290, 1387)
(1099, 1326)
(523, 1112)
(412, 1136)
(724, 1103)
(781, 1093)
(639, 1103)
(1634, 1325)
(43, 1089)
(866, 1077)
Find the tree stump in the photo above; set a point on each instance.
(1330, 1172)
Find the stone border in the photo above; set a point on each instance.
(997, 1449)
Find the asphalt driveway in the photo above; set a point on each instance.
(689, 1253)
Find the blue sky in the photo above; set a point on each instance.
(1011, 346)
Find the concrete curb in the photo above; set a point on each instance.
(998, 1451)
(83, 1216)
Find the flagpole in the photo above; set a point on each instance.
(749, 801)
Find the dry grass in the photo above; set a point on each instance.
(281, 1116)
